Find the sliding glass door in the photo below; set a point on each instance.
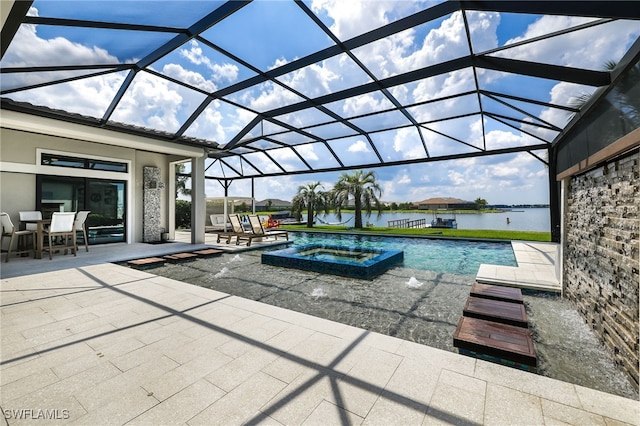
(105, 199)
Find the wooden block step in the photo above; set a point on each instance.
(180, 257)
(495, 310)
(496, 342)
(497, 292)
(208, 252)
(149, 262)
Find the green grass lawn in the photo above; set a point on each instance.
(432, 232)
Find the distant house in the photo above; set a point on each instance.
(272, 204)
(445, 203)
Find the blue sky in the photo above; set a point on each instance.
(268, 34)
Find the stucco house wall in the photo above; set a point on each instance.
(19, 167)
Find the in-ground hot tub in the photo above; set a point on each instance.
(354, 262)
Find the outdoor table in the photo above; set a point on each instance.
(39, 233)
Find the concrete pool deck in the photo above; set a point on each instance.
(98, 343)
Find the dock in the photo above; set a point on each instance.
(407, 223)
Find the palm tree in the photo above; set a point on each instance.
(579, 101)
(620, 100)
(365, 191)
(311, 198)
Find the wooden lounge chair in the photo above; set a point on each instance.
(237, 230)
(257, 231)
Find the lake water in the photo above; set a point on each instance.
(519, 220)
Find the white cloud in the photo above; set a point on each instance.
(210, 122)
(190, 77)
(32, 49)
(404, 179)
(589, 48)
(268, 96)
(358, 146)
(149, 102)
(220, 72)
(351, 18)
(456, 178)
(444, 85)
(89, 97)
(364, 104)
(313, 81)
(483, 27)
(505, 171)
(407, 142)
(497, 139)
(307, 152)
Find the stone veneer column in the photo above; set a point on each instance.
(152, 229)
(198, 195)
(601, 255)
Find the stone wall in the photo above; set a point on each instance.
(153, 186)
(602, 254)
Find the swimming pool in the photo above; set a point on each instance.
(461, 257)
(420, 301)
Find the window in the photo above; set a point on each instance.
(105, 199)
(82, 163)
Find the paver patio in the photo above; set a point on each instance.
(106, 344)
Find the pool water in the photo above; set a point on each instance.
(327, 253)
(437, 255)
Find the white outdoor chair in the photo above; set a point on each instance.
(30, 215)
(8, 230)
(62, 225)
(80, 226)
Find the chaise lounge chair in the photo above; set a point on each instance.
(257, 231)
(237, 230)
(218, 224)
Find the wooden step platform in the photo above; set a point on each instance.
(146, 263)
(208, 252)
(495, 310)
(497, 292)
(495, 342)
(180, 257)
